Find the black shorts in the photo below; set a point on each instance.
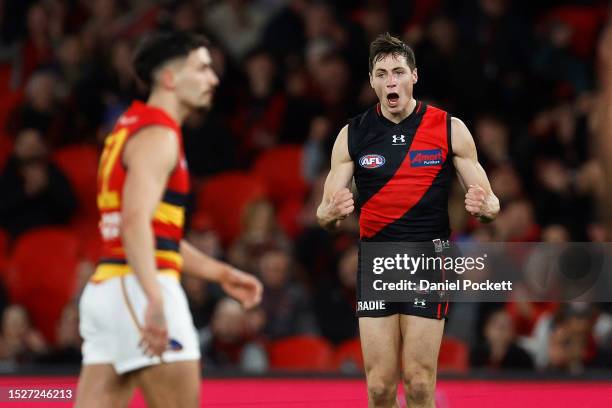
(428, 306)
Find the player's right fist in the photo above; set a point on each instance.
(342, 204)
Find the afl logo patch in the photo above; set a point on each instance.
(371, 161)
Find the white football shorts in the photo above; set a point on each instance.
(110, 335)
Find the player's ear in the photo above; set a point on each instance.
(415, 75)
(167, 78)
(371, 79)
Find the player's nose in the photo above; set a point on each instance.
(214, 80)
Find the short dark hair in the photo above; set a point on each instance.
(159, 48)
(386, 44)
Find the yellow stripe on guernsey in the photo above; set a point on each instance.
(107, 271)
(170, 256)
(170, 214)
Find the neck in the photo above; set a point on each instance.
(401, 115)
(168, 102)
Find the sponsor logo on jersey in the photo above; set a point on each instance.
(421, 158)
(420, 303)
(371, 161)
(399, 140)
(371, 305)
(127, 120)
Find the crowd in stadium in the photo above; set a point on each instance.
(522, 76)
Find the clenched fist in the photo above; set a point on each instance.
(341, 204)
(475, 199)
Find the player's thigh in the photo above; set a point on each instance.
(100, 387)
(380, 345)
(170, 385)
(421, 344)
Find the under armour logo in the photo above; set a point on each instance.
(419, 302)
(399, 140)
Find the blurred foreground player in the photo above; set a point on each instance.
(604, 118)
(135, 321)
(402, 153)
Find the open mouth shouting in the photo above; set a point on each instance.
(393, 99)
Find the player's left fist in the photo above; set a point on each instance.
(475, 200)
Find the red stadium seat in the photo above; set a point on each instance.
(281, 170)
(8, 103)
(301, 353)
(42, 275)
(348, 356)
(80, 164)
(454, 356)
(223, 199)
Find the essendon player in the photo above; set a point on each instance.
(135, 321)
(402, 153)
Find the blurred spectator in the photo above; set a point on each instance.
(302, 106)
(41, 109)
(258, 117)
(40, 193)
(203, 237)
(20, 342)
(67, 348)
(284, 33)
(335, 301)
(503, 44)
(506, 184)
(498, 349)
(260, 232)
(119, 79)
(491, 135)
(316, 250)
(565, 342)
(206, 132)
(237, 24)
(286, 304)
(331, 79)
(448, 69)
(70, 59)
(315, 152)
(36, 50)
(185, 15)
(232, 340)
(516, 223)
(202, 297)
(555, 62)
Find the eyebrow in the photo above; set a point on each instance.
(392, 69)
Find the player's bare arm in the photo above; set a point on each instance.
(240, 285)
(337, 201)
(480, 201)
(149, 158)
(603, 117)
